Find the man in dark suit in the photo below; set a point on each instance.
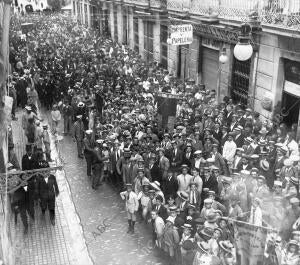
(170, 185)
(217, 132)
(188, 155)
(224, 136)
(228, 117)
(175, 158)
(209, 181)
(160, 208)
(48, 191)
(239, 138)
(154, 169)
(243, 164)
(29, 162)
(18, 205)
(115, 155)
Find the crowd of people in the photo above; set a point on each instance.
(222, 163)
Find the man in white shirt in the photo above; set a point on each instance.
(256, 213)
(184, 179)
(229, 148)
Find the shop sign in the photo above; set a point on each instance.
(181, 34)
(211, 43)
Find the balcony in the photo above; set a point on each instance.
(137, 2)
(276, 13)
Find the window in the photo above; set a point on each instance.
(136, 34)
(125, 28)
(115, 24)
(164, 46)
(148, 41)
(240, 81)
(86, 19)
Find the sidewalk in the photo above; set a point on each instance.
(62, 244)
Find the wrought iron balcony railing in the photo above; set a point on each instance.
(138, 2)
(278, 13)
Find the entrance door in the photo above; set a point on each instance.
(182, 62)
(210, 66)
(290, 109)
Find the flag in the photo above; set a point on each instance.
(250, 243)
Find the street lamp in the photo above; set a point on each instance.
(223, 57)
(243, 50)
(169, 41)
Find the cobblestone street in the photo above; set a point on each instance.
(103, 209)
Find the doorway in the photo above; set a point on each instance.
(290, 108)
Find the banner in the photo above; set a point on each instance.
(250, 243)
(166, 110)
(181, 34)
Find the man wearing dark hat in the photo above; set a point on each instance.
(68, 114)
(115, 155)
(48, 191)
(78, 135)
(18, 205)
(153, 168)
(170, 185)
(125, 167)
(89, 145)
(175, 157)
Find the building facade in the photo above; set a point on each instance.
(269, 82)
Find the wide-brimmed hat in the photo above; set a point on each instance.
(155, 185)
(183, 195)
(198, 152)
(264, 164)
(261, 177)
(184, 166)
(187, 226)
(226, 246)
(262, 142)
(288, 162)
(204, 246)
(249, 139)
(293, 242)
(206, 233)
(170, 219)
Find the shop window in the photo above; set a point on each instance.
(240, 81)
(164, 46)
(136, 33)
(148, 41)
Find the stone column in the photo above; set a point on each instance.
(120, 11)
(130, 28)
(141, 37)
(156, 40)
(111, 20)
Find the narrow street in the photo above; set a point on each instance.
(103, 218)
